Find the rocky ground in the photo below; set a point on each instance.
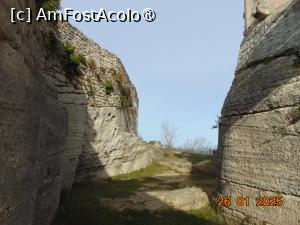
(176, 190)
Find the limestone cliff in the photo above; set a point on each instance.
(102, 105)
(68, 112)
(33, 125)
(259, 136)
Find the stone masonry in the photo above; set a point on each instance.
(59, 126)
(259, 135)
(257, 10)
(103, 129)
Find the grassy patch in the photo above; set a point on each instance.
(98, 215)
(81, 205)
(193, 157)
(111, 189)
(208, 214)
(167, 155)
(152, 170)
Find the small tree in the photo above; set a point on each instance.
(197, 145)
(169, 133)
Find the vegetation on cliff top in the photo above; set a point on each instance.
(125, 90)
(66, 52)
(49, 5)
(71, 60)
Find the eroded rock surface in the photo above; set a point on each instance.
(102, 140)
(259, 140)
(60, 125)
(185, 199)
(33, 125)
(168, 190)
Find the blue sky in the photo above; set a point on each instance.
(182, 64)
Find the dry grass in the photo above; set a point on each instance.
(81, 205)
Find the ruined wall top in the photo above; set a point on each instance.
(258, 10)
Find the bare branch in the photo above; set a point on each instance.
(169, 134)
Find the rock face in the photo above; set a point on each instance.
(60, 124)
(102, 105)
(183, 199)
(189, 198)
(259, 138)
(33, 126)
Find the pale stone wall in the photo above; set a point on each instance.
(110, 148)
(55, 130)
(102, 139)
(258, 141)
(33, 125)
(257, 10)
(74, 100)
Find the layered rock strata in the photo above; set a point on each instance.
(33, 125)
(259, 135)
(105, 137)
(68, 112)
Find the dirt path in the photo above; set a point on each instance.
(175, 190)
(172, 189)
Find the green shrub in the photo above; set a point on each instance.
(77, 59)
(69, 48)
(125, 90)
(50, 5)
(108, 86)
(74, 58)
